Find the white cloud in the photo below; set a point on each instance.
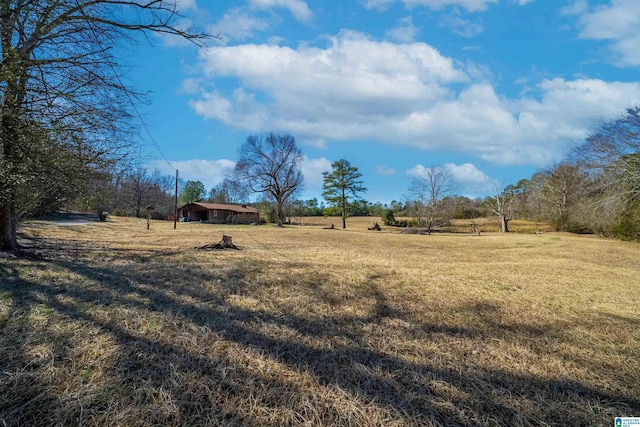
(209, 172)
(418, 171)
(191, 86)
(183, 5)
(238, 24)
(466, 177)
(470, 178)
(568, 109)
(405, 31)
(577, 8)
(383, 170)
(353, 73)
(379, 5)
(298, 8)
(617, 22)
(460, 26)
(312, 171)
(469, 5)
(357, 89)
(241, 111)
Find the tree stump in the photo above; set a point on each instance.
(225, 243)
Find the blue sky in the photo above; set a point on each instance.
(493, 90)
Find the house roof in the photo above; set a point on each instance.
(223, 207)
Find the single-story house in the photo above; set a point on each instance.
(218, 213)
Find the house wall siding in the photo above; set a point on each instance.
(218, 216)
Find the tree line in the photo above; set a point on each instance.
(66, 117)
(595, 190)
(67, 132)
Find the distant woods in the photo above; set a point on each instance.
(66, 118)
(596, 190)
(68, 129)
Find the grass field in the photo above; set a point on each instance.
(111, 324)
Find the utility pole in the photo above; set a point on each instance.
(175, 212)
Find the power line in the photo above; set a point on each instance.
(126, 92)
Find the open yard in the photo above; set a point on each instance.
(111, 324)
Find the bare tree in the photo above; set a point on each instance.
(228, 191)
(563, 187)
(501, 204)
(533, 204)
(429, 191)
(612, 155)
(58, 76)
(271, 165)
(137, 190)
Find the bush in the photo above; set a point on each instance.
(158, 215)
(268, 214)
(466, 213)
(402, 223)
(627, 226)
(388, 218)
(331, 211)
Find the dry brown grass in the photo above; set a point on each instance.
(111, 324)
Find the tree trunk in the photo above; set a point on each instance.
(344, 208)
(280, 211)
(227, 242)
(504, 224)
(8, 241)
(8, 214)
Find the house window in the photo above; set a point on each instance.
(215, 212)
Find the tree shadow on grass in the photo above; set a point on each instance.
(148, 342)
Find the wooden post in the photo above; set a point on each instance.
(175, 212)
(149, 209)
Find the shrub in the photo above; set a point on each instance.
(388, 218)
(466, 213)
(627, 226)
(402, 223)
(158, 215)
(268, 214)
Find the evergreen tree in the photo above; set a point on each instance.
(341, 186)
